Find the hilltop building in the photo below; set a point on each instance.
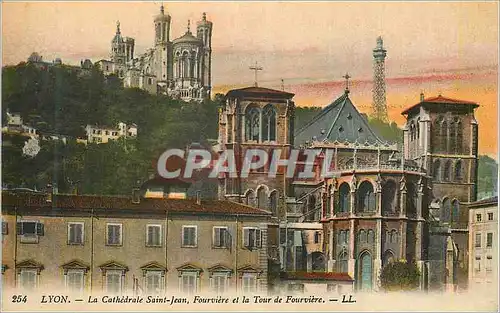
(180, 68)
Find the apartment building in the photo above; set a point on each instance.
(132, 245)
(483, 243)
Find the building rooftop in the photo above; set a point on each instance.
(339, 121)
(440, 100)
(259, 92)
(38, 201)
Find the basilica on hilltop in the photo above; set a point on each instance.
(180, 68)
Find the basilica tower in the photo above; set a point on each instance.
(163, 48)
(204, 33)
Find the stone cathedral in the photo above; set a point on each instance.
(180, 68)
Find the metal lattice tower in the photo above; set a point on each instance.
(379, 99)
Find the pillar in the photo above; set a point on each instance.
(402, 240)
(332, 199)
(352, 260)
(331, 259)
(377, 262)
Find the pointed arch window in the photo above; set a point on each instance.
(262, 198)
(443, 133)
(389, 197)
(250, 198)
(366, 197)
(458, 170)
(342, 262)
(269, 123)
(447, 171)
(455, 214)
(344, 198)
(446, 211)
(252, 123)
(436, 170)
(273, 202)
(458, 136)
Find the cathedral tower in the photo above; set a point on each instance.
(379, 99)
(162, 46)
(204, 33)
(118, 46)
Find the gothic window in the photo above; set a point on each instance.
(412, 131)
(455, 215)
(344, 198)
(393, 236)
(269, 123)
(262, 198)
(311, 211)
(184, 65)
(273, 201)
(389, 197)
(458, 170)
(362, 236)
(250, 198)
(411, 198)
(252, 123)
(437, 134)
(342, 262)
(370, 236)
(443, 133)
(447, 171)
(445, 211)
(458, 136)
(436, 170)
(388, 258)
(366, 197)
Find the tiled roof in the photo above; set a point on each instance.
(259, 92)
(316, 276)
(441, 100)
(340, 121)
(61, 201)
(484, 202)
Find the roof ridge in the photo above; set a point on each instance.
(336, 117)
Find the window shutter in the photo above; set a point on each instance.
(258, 238)
(246, 237)
(39, 229)
(227, 238)
(19, 228)
(150, 236)
(185, 237)
(217, 235)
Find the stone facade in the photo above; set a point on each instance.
(147, 263)
(180, 68)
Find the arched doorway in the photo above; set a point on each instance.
(365, 271)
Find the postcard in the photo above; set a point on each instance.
(249, 156)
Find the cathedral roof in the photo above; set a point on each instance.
(440, 100)
(259, 92)
(340, 121)
(188, 38)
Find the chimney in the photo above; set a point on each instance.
(422, 97)
(136, 196)
(50, 192)
(198, 197)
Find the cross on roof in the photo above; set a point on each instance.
(346, 76)
(256, 68)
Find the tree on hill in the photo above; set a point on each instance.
(400, 276)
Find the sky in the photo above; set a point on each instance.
(448, 48)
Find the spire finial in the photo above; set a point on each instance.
(162, 8)
(346, 76)
(204, 16)
(189, 26)
(256, 68)
(117, 27)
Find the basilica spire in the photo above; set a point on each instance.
(118, 27)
